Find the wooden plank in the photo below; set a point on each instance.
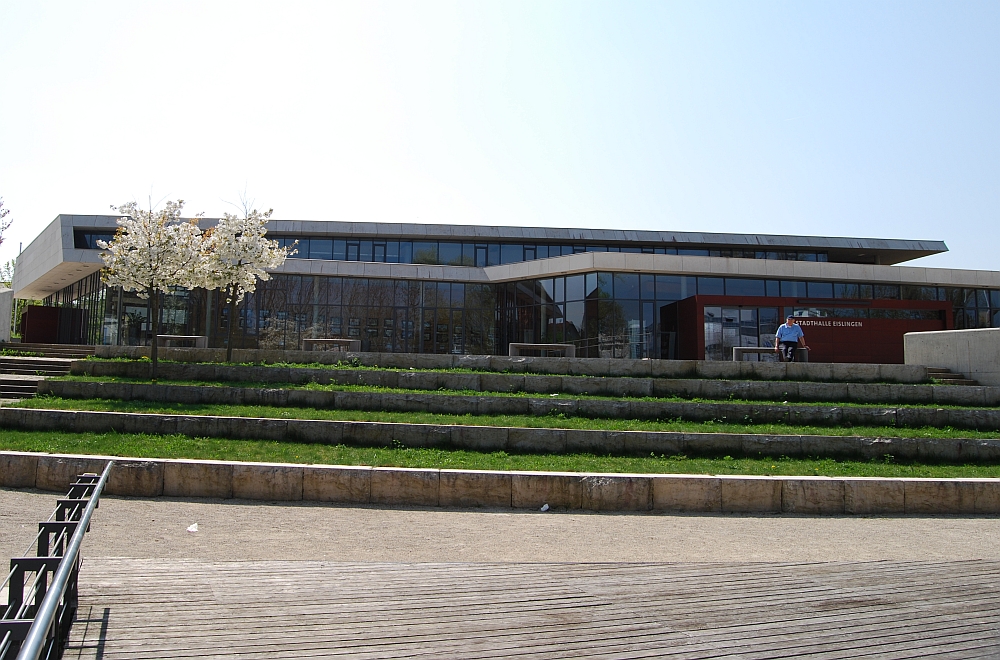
(180, 609)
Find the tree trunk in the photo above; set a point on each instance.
(232, 323)
(154, 324)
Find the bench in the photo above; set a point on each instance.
(567, 350)
(353, 345)
(200, 341)
(801, 354)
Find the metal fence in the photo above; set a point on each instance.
(39, 611)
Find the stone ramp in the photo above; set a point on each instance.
(174, 608)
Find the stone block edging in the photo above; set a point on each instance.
(527, 405)
(497, 438)
(807, 371)
(519, 490)
(616, 386)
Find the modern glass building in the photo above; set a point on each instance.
(472, 289)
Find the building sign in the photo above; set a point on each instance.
(829, 323)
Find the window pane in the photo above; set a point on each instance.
(450, 253)
(820, 289)
(590, 285)
(511, 253)
(711, 286)
(773, 289)
(605, 287)
(692, 252)
(392, 252)
(736, 286)
(303, 248)
(793, 289)
(425, 252)
(918, 292)
(674, 287)
(995, 298)
(626, 286)
(982, 298)
(366, 251)
(845, 290)
(339, 250)
(321, 248)
(468, 254)
(574, 287)
(546, 293)
(885, 291)
(647, 287)
(493, 254)
(405, 252)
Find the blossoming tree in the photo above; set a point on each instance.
(152, 252)
(239, 254)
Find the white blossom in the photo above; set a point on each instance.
(154, 251)
(239, 254)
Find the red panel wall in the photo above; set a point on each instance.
(868, 340)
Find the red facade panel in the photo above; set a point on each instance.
(831, 332)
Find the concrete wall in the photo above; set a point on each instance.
(974, 353)
(6, 313)
(519, 490)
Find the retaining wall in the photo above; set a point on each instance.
(808, 371)
(552, 384)
(499, 438)
(519, 490)
(740, 413)
(974, 353)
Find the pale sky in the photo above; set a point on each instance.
(840, 118)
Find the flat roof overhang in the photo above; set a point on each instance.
(52, 261)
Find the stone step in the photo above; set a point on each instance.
(706, 388)
(949, 377)
(501, 438)
(459, 404)
(52, 350)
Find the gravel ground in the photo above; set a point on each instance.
(242, 530)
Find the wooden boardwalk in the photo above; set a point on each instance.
(157, 608)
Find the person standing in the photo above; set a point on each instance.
(789, 337)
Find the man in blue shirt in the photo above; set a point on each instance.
(789, 337)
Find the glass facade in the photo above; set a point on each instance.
(454, 253)
(605, 314)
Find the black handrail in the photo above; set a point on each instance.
(49, 626)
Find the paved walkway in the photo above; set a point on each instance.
(270, 580)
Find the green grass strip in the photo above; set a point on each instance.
(177, 446)
(547, 421)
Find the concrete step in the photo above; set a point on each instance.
(52, 350)
(948, 377)
(35, 366)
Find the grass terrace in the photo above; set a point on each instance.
(333, 387)
(557, 421)
(177, 446)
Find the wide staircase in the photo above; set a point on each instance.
(73, 351)
(20, 374)
(947, 377)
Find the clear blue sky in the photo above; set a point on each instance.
(842, 118)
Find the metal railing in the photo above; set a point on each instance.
(38, 615)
